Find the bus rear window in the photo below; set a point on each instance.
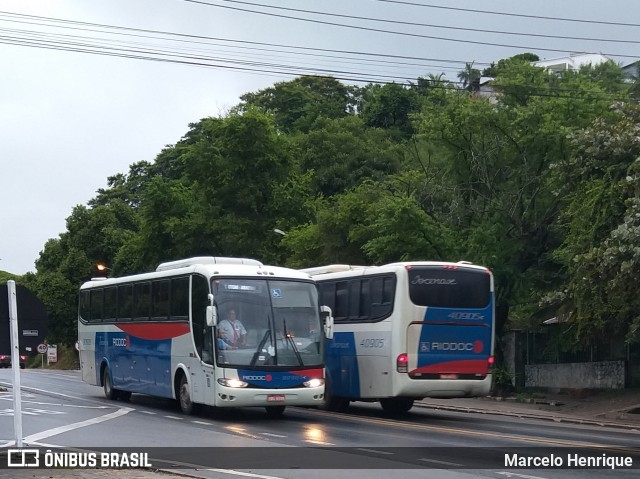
(460, 288)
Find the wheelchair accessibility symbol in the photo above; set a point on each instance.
(276, 293)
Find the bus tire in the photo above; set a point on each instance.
(275, 411)
(184, 396)
(333, 403)
(396, 406)
(109, 391)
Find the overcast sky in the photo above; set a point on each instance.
(68, 119)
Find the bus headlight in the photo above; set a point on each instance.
(313, 383)
(232, 383)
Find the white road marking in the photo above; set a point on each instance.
(40, 403)
(321, 443)
(520, 476)
(175, 417)
(270, 434)
(202, 422)
(240, 473)
(148, 412)
(442, 463)
(373, 450)
(29, 411)
(70, 427)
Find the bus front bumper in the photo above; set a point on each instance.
(246, 397)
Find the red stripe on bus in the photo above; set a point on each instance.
(469, 366)
(155, 331)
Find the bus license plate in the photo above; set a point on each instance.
(448, 376)
(275, 397)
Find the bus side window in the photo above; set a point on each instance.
(180, 298)
(342, 301)
(110, 312)
(160, 299)
(125, 302)
(97, 300)
(85, 304)
(142, 300)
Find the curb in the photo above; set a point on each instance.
(529, 415)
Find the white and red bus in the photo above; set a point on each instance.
(157, 334)
(407, 331)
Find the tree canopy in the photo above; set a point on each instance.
(540, 184)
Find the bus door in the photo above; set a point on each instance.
(448, 350)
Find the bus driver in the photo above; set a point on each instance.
(232, 331)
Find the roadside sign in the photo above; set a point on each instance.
(52, 353)
(42, 348)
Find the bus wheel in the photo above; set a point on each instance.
(275, 411)
(396, 406)
(333, 403)
(184, 396)
(109, 391)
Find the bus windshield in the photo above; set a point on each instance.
(264, 322)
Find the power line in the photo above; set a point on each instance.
(391, 32)
(122, 49)
(194, 38)
(538, 17)
(445, 27)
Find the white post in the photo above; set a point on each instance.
(15, 361)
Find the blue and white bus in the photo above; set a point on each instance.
(158, 334)
(407, 331)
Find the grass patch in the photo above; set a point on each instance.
(67, 359)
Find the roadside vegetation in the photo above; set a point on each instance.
(541, 185)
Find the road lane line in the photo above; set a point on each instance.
(520, 476)
(245, 474)
(442, 463)
(374, 451)
(467, 432)
(70, 427)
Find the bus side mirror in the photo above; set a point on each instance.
(327, 315)
(212, 313)
(212, 316)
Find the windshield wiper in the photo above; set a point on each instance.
(292, 342)
(263, 341)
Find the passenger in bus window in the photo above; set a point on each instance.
(232, 331)
(221, 343)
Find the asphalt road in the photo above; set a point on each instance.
(61, 411)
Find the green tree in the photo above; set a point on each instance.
(342, 153)
(601, 252)
(499, 159)
(468, 75)
(390, 107)
(296, 104)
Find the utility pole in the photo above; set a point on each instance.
(15, 361)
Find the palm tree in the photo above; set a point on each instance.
(468, 75)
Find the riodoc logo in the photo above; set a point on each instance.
(121, 342)
(426, 346)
